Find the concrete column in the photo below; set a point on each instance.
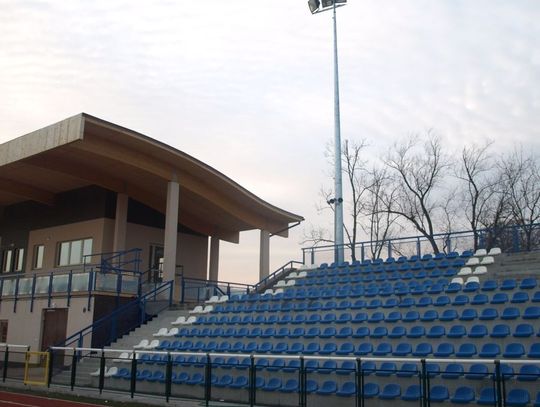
(214, 259)
(120, 222)
(264, 257)
(171, 231)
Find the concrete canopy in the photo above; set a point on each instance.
(84, 150)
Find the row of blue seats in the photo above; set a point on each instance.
(368, 278)
(441, 267)
(488, 350)
(449, 314)
(475, 371)
(400, 260)
(399, 331)
(519, 297)
(462, 395)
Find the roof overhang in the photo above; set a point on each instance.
(84, 150)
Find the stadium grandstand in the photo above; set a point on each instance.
(417, 328)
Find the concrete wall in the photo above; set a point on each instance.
(25, 327)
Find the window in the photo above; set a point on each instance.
(39, 251)
(3, 330)
(12, 260)
(73, 252)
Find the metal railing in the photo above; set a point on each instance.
(510, 239)
(495, 376)
(198, 290)
(280, 272)
(13, 360)
(123, 319)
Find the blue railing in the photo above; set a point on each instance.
(123, 319)
(510, 239)
(277, 274)
(126, 261)
(198, 290)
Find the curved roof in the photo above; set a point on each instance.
(84, 150)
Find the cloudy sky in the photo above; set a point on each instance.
(246, 86)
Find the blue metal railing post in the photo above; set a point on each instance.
(91, 283)
(389, 248)
(418, 247)
(70, 283)
(33, 293)
(50, 290)
(16, 294)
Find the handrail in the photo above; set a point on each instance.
(78, 336)
(277, 273)
(11, 345)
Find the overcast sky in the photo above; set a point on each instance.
(246, 85)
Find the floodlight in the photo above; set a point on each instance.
(314, 5)
(329, 3)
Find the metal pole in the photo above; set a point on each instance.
(338, 213)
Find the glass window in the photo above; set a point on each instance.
(19, 259)
(73, 252)
(7, 261)
(39, 251)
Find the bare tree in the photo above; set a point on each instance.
(417, 172)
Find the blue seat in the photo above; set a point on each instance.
(273, 384)
(534, 351)
(531, 313)
(436, 331)
(517, 398)
(489, 285)
(407, 370)
(411, 316)
(528, 373)
(240, 382)
(478, 331)
(397, 332)
(374, 304)
(444, 350)
(376, 317)
(466, 350)
(311, 348)
(460, 300)
(468, 314)
(407, 302)
(368, 368)
(361, 332)
(537, 401)
(477, 371)
(328, 349)
(312, 332)
(463, 395)
(453, 288)
(390, 391)
(514, 350)
(442, 301)
(449, 315)
(360, 317)
(393, 316)
(313, 319)
(364, 349)
(391, 303)
(487, 396)
(499, 298)
(328, 332)
(295, 348)
(423, 349)
(347, 367)
(328, 366)
(346, 348)
(386, 369)
(251, 347)
(344, 332)
(196, 379)
(379, 332)
(280, 347)
(412, 393)
(480, 299)
(343, 318)
(489, 350)
(299, 319)
(383, 349)
(327, 388)
(452, 371)
(429, 316)
(500, 331)
(371, 390)
(424, 302)
(519, 297)
(402, 349)
(241, 332)
(295, 333)
(527, 284)
(510, 313)
(523, 331)
(261, 364)
(457, 331)
(254, 333)
(471, 287)
(345, 304)
(416, 331)
(311, 365)
(292, 366)
(347, 389)
(488, 314)
(508, 284)
(438, 394)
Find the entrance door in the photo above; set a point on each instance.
(156, 264)
(54, 327)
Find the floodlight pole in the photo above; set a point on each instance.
(337, 201)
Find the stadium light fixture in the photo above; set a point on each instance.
(316, 7)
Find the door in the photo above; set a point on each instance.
(156, 264)
(54, 327)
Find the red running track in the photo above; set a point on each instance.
(23, 400)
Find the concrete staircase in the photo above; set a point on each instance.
(516, 265)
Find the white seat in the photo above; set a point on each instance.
(457, 280)
(111, 372)
(161, 332)
(480, 253)
(487, 260)
(208, 309)
(278, 291)
(223, 298)
(495, 251)
(292, 274)
(124, 357)
(190, 320)
(181, 320)
(268, 291)
(281, 283)
(473, 279)
(153, 344)
(213, 299)
(197, 310)
(290, 283)
(480, 270)
(172, 332)
(302, 274)
(473, 261)
(465, 271)
(142, 344)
